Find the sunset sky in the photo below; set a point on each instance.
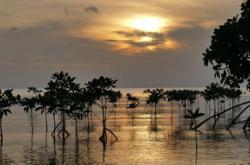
(143, 43)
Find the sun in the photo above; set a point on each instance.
(146, 23)
(145, 39)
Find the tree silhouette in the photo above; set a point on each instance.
(229, 50)
(193, 116)
(133, 101)
(185, 98)
(115, 97)
(42, 105)
(80, 106)
(234, 95)
(60, 89)
(7, 99)
(154, 97)
(214, 92)
(102, 94)
(30, 103)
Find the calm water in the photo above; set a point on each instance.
(142, 140)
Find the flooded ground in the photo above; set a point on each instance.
(143, 139)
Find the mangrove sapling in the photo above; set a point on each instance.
(114, 98)
(219, 114)
(7, 99)
(60, 89)
(185, 99)
(233, 95)
(51, 109)
(217, 94)
(193, 116)
(237, 117)
(86, 99)
(132, 101)
(79, 108)
(171, 96)
(103, 95)
(43, 102)
(30, 104)
(247, 124)
(154, 97)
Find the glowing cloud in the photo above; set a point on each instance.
(146, 23)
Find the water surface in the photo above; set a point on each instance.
(143, 139)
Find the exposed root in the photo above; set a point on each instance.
(247, 124)
(61, 132)
(104, 137)
(116, 138)
(219, 114)
(236, 118)
(54, 130)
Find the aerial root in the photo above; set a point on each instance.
(112, 133)
(61, 132)
(54, 130)
(235, 119)
(104, 137)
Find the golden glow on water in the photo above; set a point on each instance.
(143, 139)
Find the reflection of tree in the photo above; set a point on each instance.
(196, 148)
(63, 152)
(77, 155)
(28, 156)
(104, 151)
(4, 160)
(88, 149)
(153, 123)
(39, 155)
(132, 123)
(33, 156)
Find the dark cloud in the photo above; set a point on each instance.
(2, 44)
(138, 33)
(14, 28)
(66, 11)
(4, 14)
(157, 38)
(36, 52)
(91, 9)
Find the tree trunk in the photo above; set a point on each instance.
(179, 115)
(63, 126)
(31, 121)
(215, 110)
(88, 129)
(171, 113)
(54, 120)
(155, 108)
(103, 138)
(1, 130)
(46, 121)
(232, 109)
(76, 127)
(246, 124)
